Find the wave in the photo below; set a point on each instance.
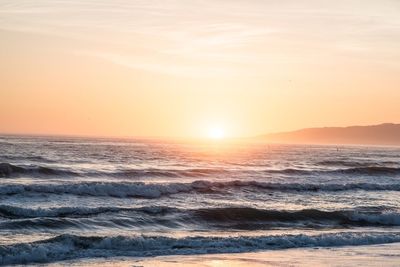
(250, 218)
(66, 247)
(157, 190)
(14, 212)
(227, 217)
(39, 224)
(173, 173)
(35, 158)
(110, 189)
(19, 212)
(200, 172)
(10, 170)
(357, 164)
(370, 170)
(362, 170)
(290, 171)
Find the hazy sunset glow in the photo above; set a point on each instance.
(216, 133)
(200, 132)
(169, 68)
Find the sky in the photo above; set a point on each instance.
(191, 68)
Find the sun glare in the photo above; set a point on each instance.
(216, 133)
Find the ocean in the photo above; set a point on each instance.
(81, 199)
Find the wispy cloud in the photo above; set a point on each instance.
(169, 68)
(183, 36)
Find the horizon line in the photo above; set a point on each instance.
(154, 137)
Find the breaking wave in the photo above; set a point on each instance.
(11, 170)
(65, 247)
(157, 190)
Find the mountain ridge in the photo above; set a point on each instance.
(379, 134)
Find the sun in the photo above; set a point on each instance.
(216, 133)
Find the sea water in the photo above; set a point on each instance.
(82, 198)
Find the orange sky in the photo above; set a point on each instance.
(179, 68)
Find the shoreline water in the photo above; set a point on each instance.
(387, 255)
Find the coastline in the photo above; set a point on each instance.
(387, 255)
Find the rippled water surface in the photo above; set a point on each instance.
(68, 198)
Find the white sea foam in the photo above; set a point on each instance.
(70, 246)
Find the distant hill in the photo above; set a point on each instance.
(382, 134)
